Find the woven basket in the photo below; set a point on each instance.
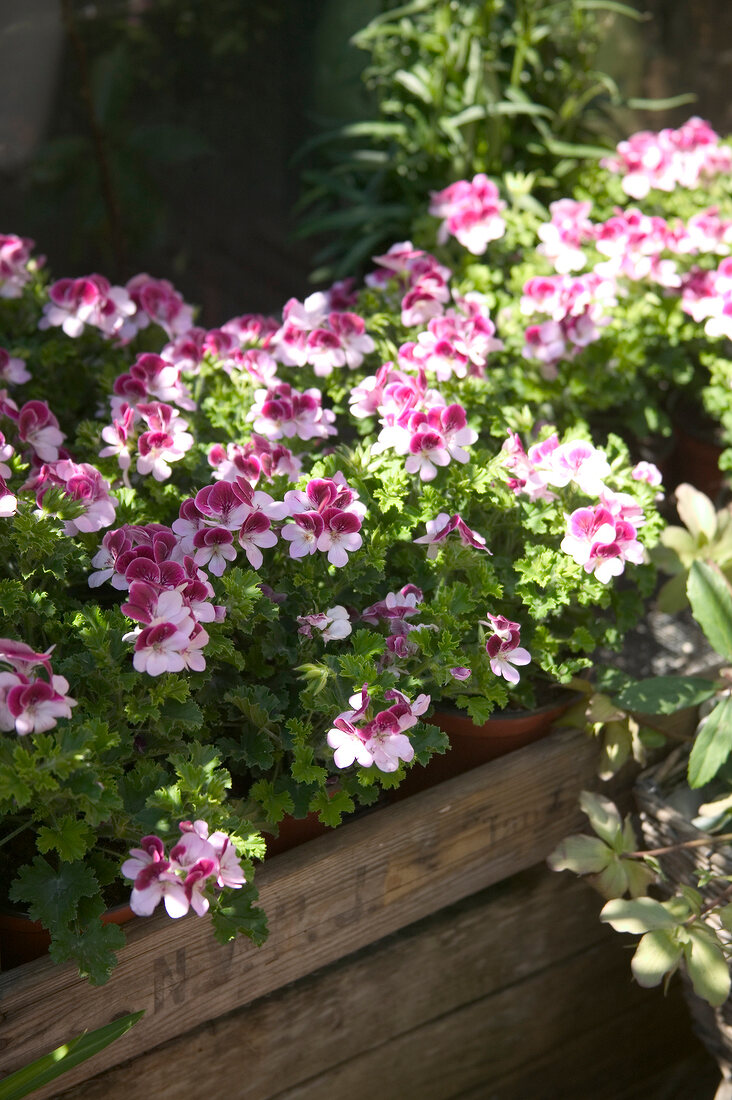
(662, 825)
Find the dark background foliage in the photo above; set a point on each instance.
(159, 135)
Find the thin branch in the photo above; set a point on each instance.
(97, 134)
(699, 842)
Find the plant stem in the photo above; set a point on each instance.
(97, 134)
(15, 832)
(699, 842)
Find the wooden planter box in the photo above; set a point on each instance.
(325, 901)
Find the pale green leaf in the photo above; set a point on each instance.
(711, 602)
(712, 744)
(637, 916)
(696, 511)
(581, 854)
(707, 966)
(603, 815)
(657, 954)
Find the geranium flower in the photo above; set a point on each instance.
(158, 649)
(36, 705)
(504, 649)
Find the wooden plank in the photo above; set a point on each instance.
(324, 900)
(466, 951)
(483, 1042)
(646, 1053)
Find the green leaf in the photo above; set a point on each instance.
(581, 854)
(240, 915)
(696, 512)
(186, 713)
(93, 948)
(47, 1068)
(657, 954)
(331, 806)
(659, 104)
(711, 603)
(665, 694)
(712, 744)
(707, 966)
(603, 815)
(70, 837)
(413, 85)
(618, 8)
(53, 897)
(637, 915)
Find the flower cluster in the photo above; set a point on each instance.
(91, 301)
(563, 236)
(281, 411)
(422, 281)
(707, 296)
(198, 863)
(669, 159)
(504, 647)
(415, 421)
(317, 332)
(15, 260)
(158, 301)
(380, 740)
(576, 311)
(28, 702)
(471, 211)
(456, 343)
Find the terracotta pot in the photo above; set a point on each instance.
(471, 745)
(696, 459)
(22, 939)
(294, 831)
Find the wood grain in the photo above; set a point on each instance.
(515, 992)
(325, 900)
(480, 945)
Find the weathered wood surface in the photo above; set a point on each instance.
(324, 900)
(516, 992)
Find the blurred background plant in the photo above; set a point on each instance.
(458, 87)
(200, 105)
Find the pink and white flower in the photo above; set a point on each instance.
(471, 211)
(504, 648)
(91, 301)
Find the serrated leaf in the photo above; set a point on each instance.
(53, 897)
(70, 837)
(426, 740)
(93, 949)
(274, 803)
(240, 915)
(712, 744)
(331, 806)
(187, 713)
(657, 954)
